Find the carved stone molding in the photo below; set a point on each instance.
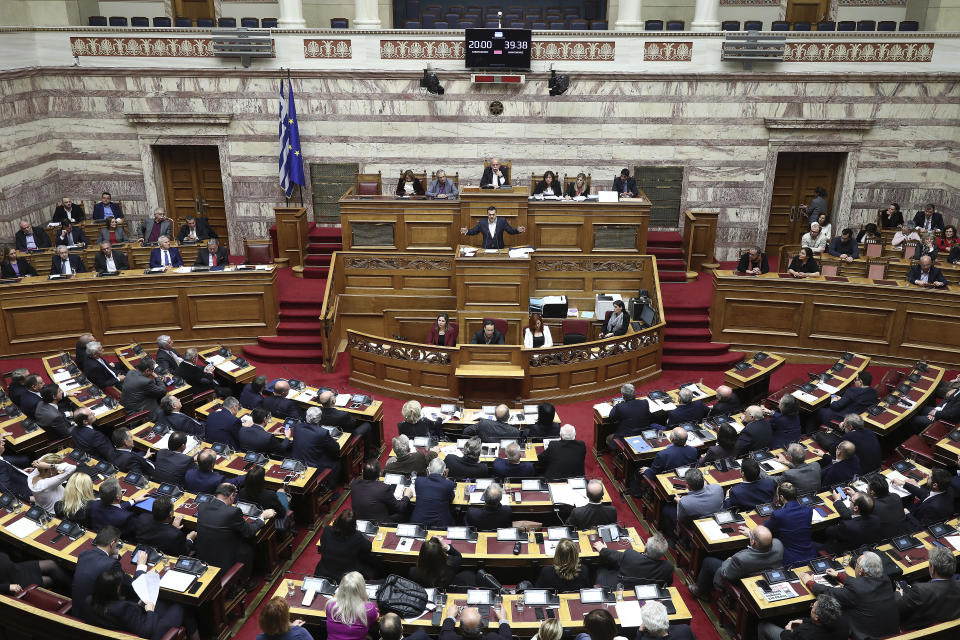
(408, 353)
(422, 49)
(866, 52)
(335, 49)
(596, 51)
(813, 123)
(588, 353)
(143, 47)
(218, 119)
(667, 51)
(566, 264)
(434, 264)
(591, 50)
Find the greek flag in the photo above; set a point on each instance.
(291, 160)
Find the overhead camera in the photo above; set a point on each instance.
(559, 83)
(431, 82)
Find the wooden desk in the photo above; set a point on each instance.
(137, 256)
(753, 382)
(947, 453)
(895, 415)
(81, 394)
(228, 368)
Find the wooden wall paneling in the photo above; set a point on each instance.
(702, 238)
(292, 230)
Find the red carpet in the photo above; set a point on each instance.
(687, 341)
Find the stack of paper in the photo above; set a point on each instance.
(215, 359)
(342, 399)
(176, 580)
(628, 611)
(954, 541)
(61, 375)
(804, 397)
(604, 409)
(229, 366)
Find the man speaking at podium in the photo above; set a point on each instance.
(492, 230)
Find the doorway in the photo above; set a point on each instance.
(193, 185)
(812, 11)
(797, 175)
(193, 9)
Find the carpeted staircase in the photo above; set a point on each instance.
(299, 336)
(323, 242)
(687, 338)
(667, 246)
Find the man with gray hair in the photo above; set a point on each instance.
(165, 256)
(630, 414)
(493, 514)
(564, 458)
(434, 493)
(826, 622)
(727, 402)
(647, 566)
(867, 599)
(167, 357)
(924, 604)
(314, 446)
(467, 464)
(198, 375)
(594, 512)
(213, 257)
(405, 460)
(494, 430)
(100, 372)
(441, 187)
(142, 389)
(804, 475)
(757, 433)
(18, 379)
(81, 350)
(676, 454)
(655, 623)
(511, 467)
(152, 229)
(688, 409)
(753, 262)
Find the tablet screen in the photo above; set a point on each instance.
(536, 596)
(591, 596)
(478, 596)
(646, 591)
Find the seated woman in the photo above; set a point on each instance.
(414, 425)
(892, 217)
(949, 239)
(616, 324)
(13, 266)
(73, 505)
(578, 188)
(108, 608)
(113, 232)
(928, 247)
(443, 334)
(726, 446)
(906, 232)
(825, 227)
(869, 232)
(546, 425)
(46, 480)
(350, 614)
(785, 422)
(15, 576)
(438, 565)
(536, 334)
(566, 573)
(255, 490)
(409, 185)
(803, 265)
(275, 622)
(344, 549)
(548, 186)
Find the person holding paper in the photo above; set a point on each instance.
(593, 513)
(536, 334)
(631, 415)
(933, 503)
(152, 619)
(374, 500)
(201, 377)
(279, 404)
(91, 563)
(548, 186)
(492, 230)
(855, 399)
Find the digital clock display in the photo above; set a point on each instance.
(498, 49)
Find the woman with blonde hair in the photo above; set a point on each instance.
(566, 573)
(414, 425)
(578, 188)
(73, 505)
(549, 630)
(350, 614)
(46, 480)
(276, 625)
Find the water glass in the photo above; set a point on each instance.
(520, 603)
(619, 593)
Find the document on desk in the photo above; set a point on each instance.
(176, 580)
(520, 252)
(954, 541)
(711, 530)
(70, 385)
(628, 611)
(804, 397)
(342, 399)
(656, 405)
(22, 528)
(823, 386)
(228, 366)
(896, 475)
(405, 544)
(604, 409)
(305, 396)
(564, 494)
(60, 376)
(184, 270)
(147, 586)
(214, 359)
(696, 390)
(100, 409)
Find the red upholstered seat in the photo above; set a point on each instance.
(574, 330)
(499, 324)
(43, 599)
(258, 250)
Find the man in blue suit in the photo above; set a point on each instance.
(313, 445)
(88, 439)
(109, 511)
(12, 478)
(688, 409)
(104, 556)
(165, 255)
(625, 185)
(948, 410)
(65, 264)
(631, 416)
(511, 467)
(856, 399)
(203, 479)
(924, 274)
(254, 437)
(753, 490)
(223, 425)
(30, 398)
(932, 505)
(492, 230)
(676, 454)
(106, 209)
(434, 494)
(846, 466)
(792, 524)
(757, 433)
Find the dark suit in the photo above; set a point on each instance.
(156, 257)
(165, 360)
(629, 187)
(16, 392)
(224, 427)
(756, 435)
(126, 461)
(75, 237)
(936, 220)
(929, 509)
(223, 536)
(373, 500)
(122, 516)
(282, 407)
(840, 472)
(463, 466)
(631, 416)
(413, 462)
(333, 417)
(91, 441)
(868, 449)
(852, 533)
(199, 379)
(434, 497)
(249, 399)
(146, 228)
(141, 393)
(100, 214)
(12, 479)
(792, 525)
(204, 231)
(492, 430)
(76, 214)
(53, 420)
(925, 604)
(39, 237)
(197, 481)
(572, 189)
(203, 257)
(633, 564)
(494, 241)
(24, 268)
(421, 428)
(868, 603)
(853, 400)
(90, 565)
(486, 519)
(162, 536)
(76, 265)
(172, 466)
(340, 554)
(448, 632)
(725, 407)
(563, 459)
(256, 438)
(487, 177)
(480, 338)
(119, 261)
(744, 264)
(313, 446)
(555, 187)
(29, 402)
(182, 422)
(549, 579)
(99, 374)
(692, 412)
(502, 468)
(670, 458)
(590, 515)
(786, 429)
(747, 495)
(935, 275)
(810, 630)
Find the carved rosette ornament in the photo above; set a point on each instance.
(410, 353)
(598, 352)
(368, 262)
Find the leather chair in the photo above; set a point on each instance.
(339, 23)
(753, 25)
(268, 23)
(205, 23)
(162, 21)
(227, 23)
(780, 25)
(46, 600)
(97, 21)
(653, 25)
(118, 21)
(876, 268)
(730, 25)
(568, 180)
(675, 25)
(183, 22)
(915, 448)
(368, 184)
(250, 23)
(937, 431)
(499, 324)
(139, 21)
(574, 330)
(826, 25)
(258, 250)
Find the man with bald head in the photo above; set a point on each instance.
(846, 466)
(924, 274)
(494, 430)
(152, 229)
(330, 416)
(495, 175)
(472, 628)
(727, 402)
(763, 552)
(757, 433)
(279, 404)
(594, 512)
(676, 454)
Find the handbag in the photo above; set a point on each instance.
(401, 596)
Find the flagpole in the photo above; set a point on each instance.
(290, 88)
(285, 196)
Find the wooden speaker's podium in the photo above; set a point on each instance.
(511, 204)
(491, 280)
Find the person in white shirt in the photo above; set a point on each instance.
(815, 239)
(905, 233)
(537, 334)
(495, 176)
(47, 478)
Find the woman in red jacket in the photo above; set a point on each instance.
(947, 240)
(443, 333)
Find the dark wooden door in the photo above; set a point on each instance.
(194, 9)
(193, 185)
(798, 174)
(812, 11)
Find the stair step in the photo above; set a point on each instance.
(695, 320)
(671, 264)
(685, 306)
(673, 276)
(301, 328)
(686, 348)
(719, 362)
(666, 253)
(304, 356)
(290, 343)
(680, 334)
(316, 273)
(300, 315)
(324, 247)
(326, 232)
(315, 260)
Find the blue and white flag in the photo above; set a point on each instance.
(291, 160)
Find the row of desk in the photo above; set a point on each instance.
(137, 255)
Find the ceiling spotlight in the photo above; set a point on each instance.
(558, 83)
(431, 82)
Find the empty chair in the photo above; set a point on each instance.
(753, 25)
(227, 23)
(517, 24)
(441, 24)
(466, 24)
(183, 22)
(867, 25)
(598, 25)
(427, 20)
(139, 21)
(909, 25)
(578, 24)
(250, 23)
(162, 21)
(887, 25)
(118, 21)
(730, 25)
(451, 17)
(98, 21)
(574, 330)
(539, 25)
(779, 25)
(558, 26)
(571, 11)
(801, 26)
(653, 25)
(411, 24)
(675, 25)
(413, 8)
(846, 25)
(492, 24)
(435, 8)
(269, 23)
(826, 25)
(529, 11)
(205, 23)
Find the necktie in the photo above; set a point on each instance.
(213, 259)
(66, 266)
(166, 259)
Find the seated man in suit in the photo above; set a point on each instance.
(142, 389)
(251, 396)
(631, 416)
(727, 402)
(198, 376)
(91, 563)
(467, 464)
(27, 240)
(165, 256)
(846, 466)
(374, 500)
(313, 445)
(792, 523)
(492, 230)
(625, 185)
(213, 256)
(931, 504)
(488, 334)
(100, 372)
(924, 604)
(67, 211)
(511, 467)
(924, 274)
(441, 187)
(111, 511)
(152, 229)
(164, 532)
(650, 566)
(30, 399)
(472, 627)
(755, 488)
(110, 261)
(688, 409)
(676, 454)
(223, 425)
(493, 514)
(168, 358)
(407, 459)
(702, 499)
(172, 463)
(858, 524)
(865, 440)
(333, 417)
(928, 219)
(857, 398)
(435, 495)
(279, 404)
(106, 208)
(253, 435)
(195, 230)
(13, 479)
(494, 430)
(203, 478)
(127, 459)
(757, 433)
(495, 176)
(88, 439)
(753, 262)
(805, 476)
(763, 552)
(49, 415)
(844, 246)
(594, 512)
(948, 410)
(564, 458)
(826, 622)
(65, 263)
(17, 386)
(71, 236)
(223, 535)
(171, 415)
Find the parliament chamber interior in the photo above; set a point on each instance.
(574, 320)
